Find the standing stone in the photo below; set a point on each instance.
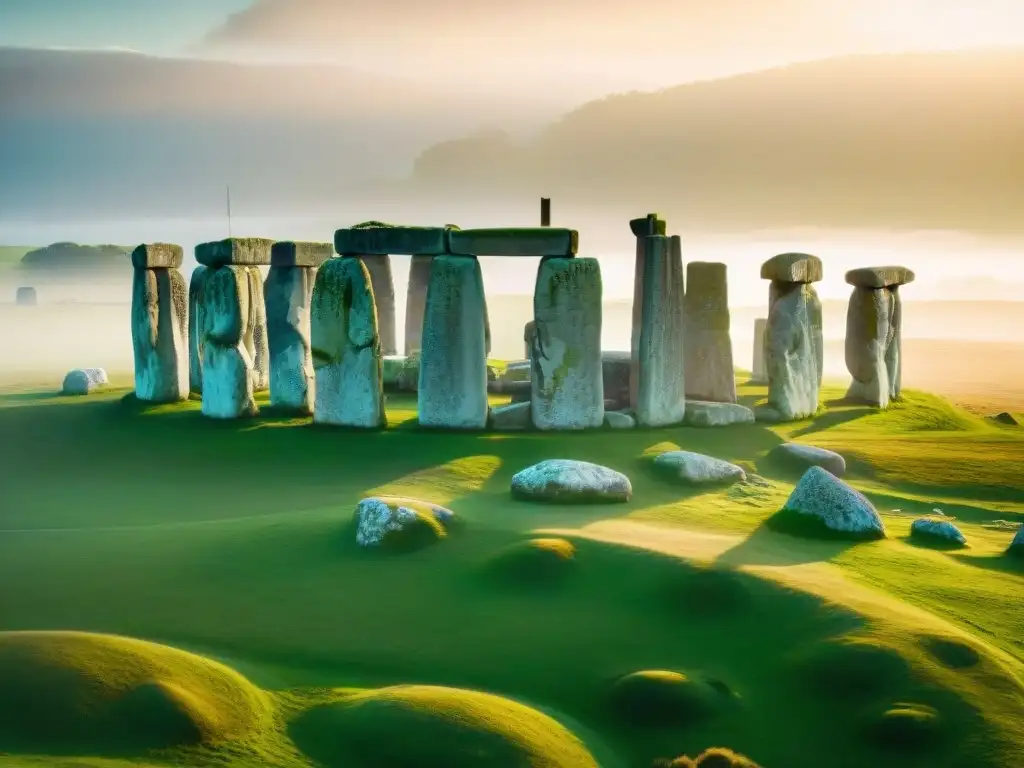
(26, 296)
(379, 269)
(453, 365)
(346, 347)
(529, 332)
(759, 371)
(160, 325)
(256, 340)
(416, 302)
(228, 375)
(873, 337)
(657, 369)
(641, 229)
(710, 375)
(196, 319)
(567, 380)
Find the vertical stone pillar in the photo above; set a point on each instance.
(567, 380)
(160, 329)
(289, 294)
(256, 341)
(346, 347)
(641, 228)
(793, 347)
(453, 363)
(379, 268)
(873, 333)
(710, 373)
(196, 319)
(416, 302)
(759, 373)
(529, 332)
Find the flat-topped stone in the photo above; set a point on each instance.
(377, 238)
(793, 268)
(566, 481)
(514, 241)
(288, 253)
(879, 277)
(236, 251)
(157, 256)
(700, 413)
(651, 224)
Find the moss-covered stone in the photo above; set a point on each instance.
(651, 224)
(300, 254)
(793, 268)
(158, 256)
(376, 238)
(514, 241)
(239, 251)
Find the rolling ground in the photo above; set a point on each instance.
(231, 542)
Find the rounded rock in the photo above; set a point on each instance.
(566, 481)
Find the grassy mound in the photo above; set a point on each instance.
(78, 693)
(905, 726)
(435, 727)
(666, 698)
(852, 668)
(709, 591)
(716, 757)
(534, 562)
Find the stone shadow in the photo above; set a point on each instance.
(765, 546)
(851, 411)
(1005, 562)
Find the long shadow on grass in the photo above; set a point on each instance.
(1012, 564)
(767, 545)
(852, 410)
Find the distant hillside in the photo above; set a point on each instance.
(72, 257)
(907, 141)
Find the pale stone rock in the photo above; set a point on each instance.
(346, 349)
(698, 469)
(26, 296)
(759, 371)
(416, 302)
(256, 341)
(801, 456)
(228, 375)
(235, 251)
(289, 294)
(196, 324)
(453, 365)
(619, 420)
(517, 241)
(84, 381)
(879, 277)
(706, 414)
(157, 256)
(658, 359)
(710, 374)
(793, 268)
(376, 238)
(792, 353)
(511, 417)
(942, 530)
(97, 376)
(869, 334)
(567, 481)
(382, 520)
(840, 507)
(288, 253)
(894, 354)
(160, 335)
(568, 384)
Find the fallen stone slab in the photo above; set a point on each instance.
(938, 531)
(837, 506)
(399, 524)
(158, 256)
(698, 469)
(803, 456)
(377, 238)
(651, 224)
(288, 253)
(565, 481)
(700, 413)
(619, 420)
(235, 251)
(793, 268)
(514, 241)
(879, 277)
(511, 417)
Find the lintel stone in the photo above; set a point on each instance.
(514, 241)
(879, 277)
(235, 251)
(651, 224)
(793, 268)
(158, 256)
(375, 238)
(300, 254)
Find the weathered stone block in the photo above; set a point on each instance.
(710, 374)
(160, 335)
(196, 325)
(288, 253)
(235, 251)
(383, 285)
(289, 294)
(26, 296)
(375, 238)
(228, 375)
(416, 302)
(873, 340)
(157, 256)
(879, 277)
(517, 241)
(759, 372)
(793, 268)
(256, 338)
(792, 353)
(651, 224)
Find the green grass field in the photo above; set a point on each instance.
(10, 255)
(240, 625)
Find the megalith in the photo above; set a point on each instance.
(567, 376)
(793, 338)
(453, 363)
(710, 375)
(256, 340)
(529, 332)
(159, 323)
(346, 347)
(289, 293)
(758, 372)
(657, 381)
(379, 268)
(873, 336)
(196, 319)
(26, 296)
(641, 228)
(416, 302)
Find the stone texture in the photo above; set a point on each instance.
(651, 224)
(616, 367)
(837, 505)
(453, 365)
(529, 334)
(26, 296)
(416, 302)
(701, 413)
(803, 456)
(657, 383)
(879, 277)
(698, 469)
(792, 353)
(384, 520)
(346, 348)
(157, 256)
(160, 335)
(228, 376)
(759, 371)
(568, 382)
(84, 381)
(567, 481)
(379, 268)
(511, 417)
(196, 324)
(516, 241)
(235, 251)
(376, 238)
(793, 268)
(256, 340)
(873, 342)
(289, 295)
(289, 253)
(710, 374)
(941, 530)
(619, 420)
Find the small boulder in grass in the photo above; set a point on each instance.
(801, 456)
(928, 530)
(401, 525)
(823, 505)
(84, 381)
(566, 481)
(697, 469)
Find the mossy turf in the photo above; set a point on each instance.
(231, 541)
